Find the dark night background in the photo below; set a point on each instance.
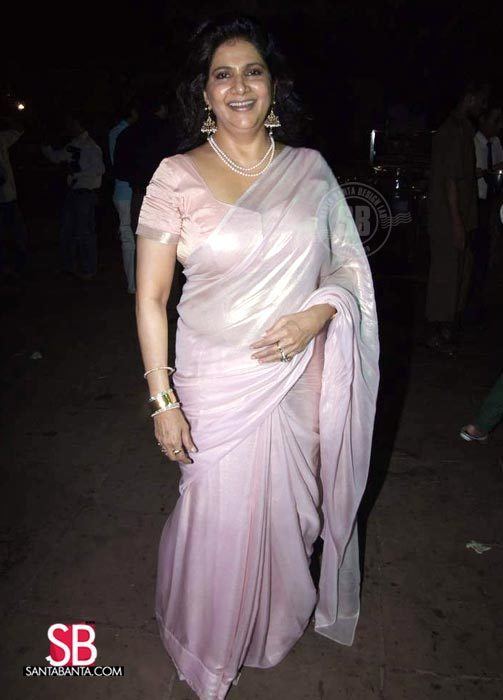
(352, 61)
(86, 488)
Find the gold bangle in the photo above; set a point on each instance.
(164, 399)
(166, 396)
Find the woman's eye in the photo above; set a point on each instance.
(221, 75)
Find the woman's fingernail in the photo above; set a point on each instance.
(193, 449)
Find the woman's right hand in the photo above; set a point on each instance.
(173, 433)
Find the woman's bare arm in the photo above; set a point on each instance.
(154, 276)
(155, 265)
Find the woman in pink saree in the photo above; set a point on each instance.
(276, 375)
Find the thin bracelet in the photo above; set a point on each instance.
(156, 369)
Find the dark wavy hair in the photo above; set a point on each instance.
(202, 46)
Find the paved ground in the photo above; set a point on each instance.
(87, 492)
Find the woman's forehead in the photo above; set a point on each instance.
(236, 52)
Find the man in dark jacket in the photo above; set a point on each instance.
(140, 148)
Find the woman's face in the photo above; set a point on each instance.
(239, 86)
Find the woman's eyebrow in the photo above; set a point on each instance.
(248, 65)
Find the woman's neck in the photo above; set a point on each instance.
(243, 148)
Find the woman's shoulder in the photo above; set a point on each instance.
(171, 166)
(173, 172)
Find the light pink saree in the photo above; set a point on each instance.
(283, 447)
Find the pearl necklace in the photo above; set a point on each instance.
(219, 150)
(241, 169)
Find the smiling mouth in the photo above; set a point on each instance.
(241, 105)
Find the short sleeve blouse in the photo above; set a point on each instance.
(179, 208)
(160, 214)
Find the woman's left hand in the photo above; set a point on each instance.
(293, 332)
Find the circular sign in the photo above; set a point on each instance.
(355, 208)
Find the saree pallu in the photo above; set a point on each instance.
(283, 448)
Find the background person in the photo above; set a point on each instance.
(84, 160)
(489, 157)
(452, 217)
(13, 235)
(140, 148)
(488, 417)
(122, 200)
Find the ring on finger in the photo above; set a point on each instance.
(284, 356)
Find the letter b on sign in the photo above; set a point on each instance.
(71, 645)
(362, 217)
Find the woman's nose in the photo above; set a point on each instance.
(239, 84)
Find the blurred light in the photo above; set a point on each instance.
(20, 106)
(372, 145)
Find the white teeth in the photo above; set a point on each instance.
(241, 104)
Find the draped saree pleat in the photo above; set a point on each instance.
(283, 448)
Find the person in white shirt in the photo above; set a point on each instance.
(122, 201)
(488, 149)
(489, 158)
(13, 235)
(84, 159)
